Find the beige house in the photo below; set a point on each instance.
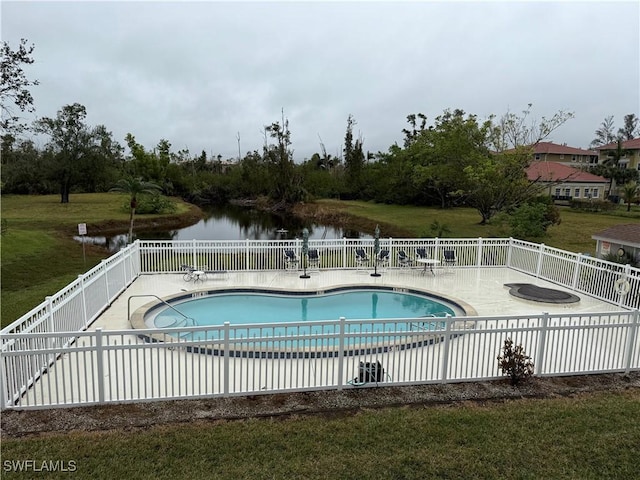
(631, 159)
(552, 152)
(563, 182)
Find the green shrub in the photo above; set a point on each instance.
(153, 203)
(531, 220)
(514, 363)
(593, 205)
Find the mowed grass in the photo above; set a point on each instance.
(573, 234)
(39, 255)
(588, 437)
(593, 436)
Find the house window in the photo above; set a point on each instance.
(537, 156)
(561, 157)
(557, 192)
(576, 193)
(595, 193)
(587, 193)
(567, 192)
(573, 158)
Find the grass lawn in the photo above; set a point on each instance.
(39, 256)
(593, 436)
(588, 437)
(573, 233)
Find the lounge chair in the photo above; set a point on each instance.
(404, 260)
(362, 259)
(291, 260)
(382, 260)
(313, 259)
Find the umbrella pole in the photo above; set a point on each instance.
(304, 275)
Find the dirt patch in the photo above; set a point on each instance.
(132, 416)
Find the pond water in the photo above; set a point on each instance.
(231, 223)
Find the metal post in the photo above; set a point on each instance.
(632, 334)
(444, 373)
(341, 332)
(542, 342)
(100, 365)
(227, 353)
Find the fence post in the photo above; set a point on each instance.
(52, 328)
(84, 301)
(444, 373)
(509, 252)
(247, 254)
(225, 368)
(479, 259)
(105, 275)
(540, 257)
(344, 252)
(3, 392)
(576, 271)
(341, 332)
(194, 256)
(631, 340)
(100, 365)
(542, 342)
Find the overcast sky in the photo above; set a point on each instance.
(200, 73)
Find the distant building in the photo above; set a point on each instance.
(552, 152)
(631, 158)
(621, 240)
(563, 182)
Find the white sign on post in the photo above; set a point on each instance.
(82, 230)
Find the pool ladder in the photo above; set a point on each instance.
(186, 319)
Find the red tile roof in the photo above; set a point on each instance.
(627, 234)
(633, 144)
(557, 171)
(554, 148)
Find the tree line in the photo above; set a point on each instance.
(454, 160)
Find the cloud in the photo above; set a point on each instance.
(199, 73)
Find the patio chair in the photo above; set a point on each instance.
(382, 260)
(362, 259)
(404, 260)
(291, 260)
(450, 258)
(422, 253)
(313, 259)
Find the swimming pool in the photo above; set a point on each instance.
(267, 322)
(253, 307)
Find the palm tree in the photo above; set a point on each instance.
(134, 186)
(630, 193)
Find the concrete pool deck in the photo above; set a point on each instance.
(135, 370)
(483, 289)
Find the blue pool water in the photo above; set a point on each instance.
(258, 308)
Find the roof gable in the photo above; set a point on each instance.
(629, 234)
(554, 148)
(633, 144)
(556, 172)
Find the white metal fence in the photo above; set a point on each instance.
(117, 366)
(49, 343)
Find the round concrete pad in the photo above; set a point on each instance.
(534, 293)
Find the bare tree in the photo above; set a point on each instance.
(514, 131)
